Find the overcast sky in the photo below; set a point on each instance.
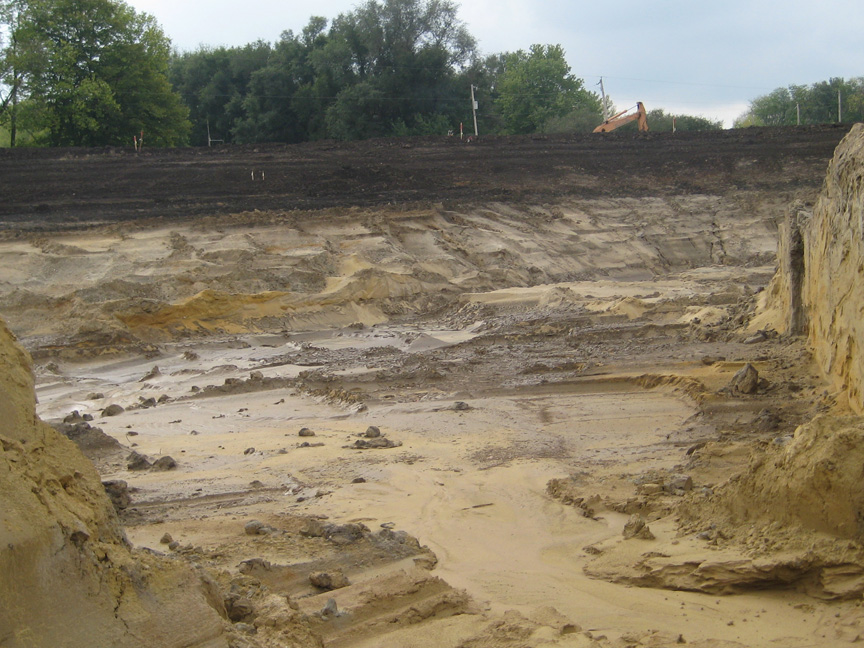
(696, 57)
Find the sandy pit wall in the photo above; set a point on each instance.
(819, 286)
(834, 270)
(67, 574)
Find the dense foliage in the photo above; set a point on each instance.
(90, 72)
(659, 121)
(96, 72)
(820, 103)
(394, 67)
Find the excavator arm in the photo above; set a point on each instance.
(625, 117)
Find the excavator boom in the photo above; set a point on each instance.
(625, 117)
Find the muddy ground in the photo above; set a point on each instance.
(544, 332)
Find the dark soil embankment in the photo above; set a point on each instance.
(43, 188)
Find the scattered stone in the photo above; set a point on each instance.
(745, 381)
(281, 451)
(190, 355)
(306, 432)
(710, 360)
(358, 480)
(246, 628)
(194, 388)
(248, 566)
(137, 461)
(330, 608)
(313, 529)
(256, 375)
(95, 396)
(239, 608)
(151, 374)
(636, 527)
(766, 421)
(759, 336)
(73, 417)
(146, 402)
(249, 451)
(695, 448)
(460, 406)
(329, 580)
(132, 433)
(343, 534)
(173, 546)
(650, 489)
(256, 484)
(113, 410)
(164, 463)
(372, 444)
(254, 527)
(166, 539)
(678, 483)
(118, 493)
(164, 398)
(372, 432)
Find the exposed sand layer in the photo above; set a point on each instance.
(501, 391)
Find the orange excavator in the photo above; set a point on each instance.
(625, 117)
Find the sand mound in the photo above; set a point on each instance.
(811, 481)
(792, 519)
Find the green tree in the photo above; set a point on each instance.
(536, 87)
(95, 72)
(816, 104)
(659, 121)
(214, 83)
(400, 60)
(774, 109)
(280, 103)
(10, 75)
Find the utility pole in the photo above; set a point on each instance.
(839, 108)
(16, 84)
(474, 110)
(798, 111)
(603, 99)
(210, 140)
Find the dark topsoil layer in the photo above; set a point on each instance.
(50, 188)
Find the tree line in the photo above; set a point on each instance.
(96, 72)
(820, 103)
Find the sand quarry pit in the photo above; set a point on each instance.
(448, 396)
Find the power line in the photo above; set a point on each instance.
(684, 83)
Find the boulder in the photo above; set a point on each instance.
(636, 527)
(372, 432)
(329, 580)
(745, 381)
(113, 410)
